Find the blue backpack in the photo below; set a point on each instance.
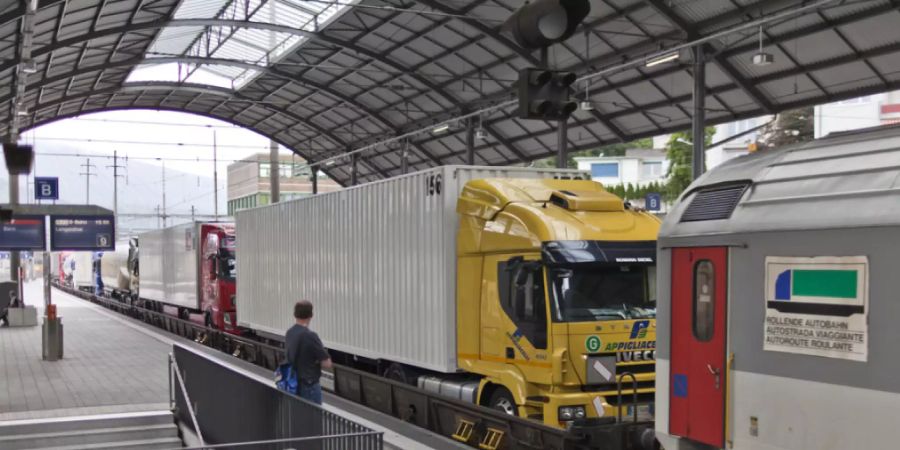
(286, 378)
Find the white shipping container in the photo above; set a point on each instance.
(84, 270)
(378, 261)
(169, 263)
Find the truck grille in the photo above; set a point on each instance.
(626, 386)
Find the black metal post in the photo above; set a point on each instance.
(470, 143)
(698, 121)
(314, 178)
(354, 171)
(562, 144)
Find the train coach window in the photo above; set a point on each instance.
(704, 304)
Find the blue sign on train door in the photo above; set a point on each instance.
(46, 188)
(653, 201)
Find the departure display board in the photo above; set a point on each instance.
(82, 233)
(22, 233)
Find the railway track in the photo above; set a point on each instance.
(473, 425)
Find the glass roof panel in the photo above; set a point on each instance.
(247, 45)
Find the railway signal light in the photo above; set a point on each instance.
(541, 23)
(546, 94)
(18, 158)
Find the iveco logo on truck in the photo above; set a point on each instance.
(645, 355)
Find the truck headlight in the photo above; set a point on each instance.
(567, 413)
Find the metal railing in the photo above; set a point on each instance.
(233, 409)
(175, 376)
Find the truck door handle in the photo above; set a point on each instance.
(715, 373)
(510, 354)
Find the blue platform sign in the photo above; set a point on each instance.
(653, 201)
(82, 233)
(46, 188)
(22, 233)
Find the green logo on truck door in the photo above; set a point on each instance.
(592, 344)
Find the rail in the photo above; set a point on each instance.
(473, 425)
(173, 369)
(239, 411)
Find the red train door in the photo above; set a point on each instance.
(697, 383)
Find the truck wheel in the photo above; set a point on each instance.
(503, 401)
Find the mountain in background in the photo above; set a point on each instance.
(140, 187)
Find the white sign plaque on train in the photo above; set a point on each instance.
(817, 306)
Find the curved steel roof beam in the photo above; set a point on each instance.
(171, 109)
(208, 90)
(158, 24)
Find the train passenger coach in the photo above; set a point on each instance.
(779, 275)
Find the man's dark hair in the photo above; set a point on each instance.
(303, 310)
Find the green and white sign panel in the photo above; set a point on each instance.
(817, 306)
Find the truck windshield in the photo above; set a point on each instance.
(583, 292)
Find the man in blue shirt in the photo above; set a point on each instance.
(306, 353)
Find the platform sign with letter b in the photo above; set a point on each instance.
(653, 202)
(46, 188)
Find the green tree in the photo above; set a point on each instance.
(791, 127)
(679, 152)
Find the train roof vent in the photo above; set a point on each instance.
(714, 203)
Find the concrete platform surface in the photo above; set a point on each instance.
(108, 366)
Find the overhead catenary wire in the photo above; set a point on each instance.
(139, 158)
(155, 143)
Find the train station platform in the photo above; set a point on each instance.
(109, 366)
(116, 366)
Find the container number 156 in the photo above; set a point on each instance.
(433, 184)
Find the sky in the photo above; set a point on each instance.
(143, 140)
(184, 140)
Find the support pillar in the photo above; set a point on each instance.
(274, 173)
(314, 179)
(14, 261)
(562, 144)
(698, 121)
(470, 142)
(354, 170)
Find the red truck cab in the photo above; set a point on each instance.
(218, 276)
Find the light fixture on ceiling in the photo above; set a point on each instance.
(762, 58)
(663, 59)
(586, 105)
(440, 128)
(29, 66)
(480, 134)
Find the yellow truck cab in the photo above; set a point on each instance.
(556, 298)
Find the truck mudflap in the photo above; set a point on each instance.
(608, 434)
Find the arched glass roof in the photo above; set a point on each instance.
(370, 70)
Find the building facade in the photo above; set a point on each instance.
(639, 167)
(249, 181)
(856, 113)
